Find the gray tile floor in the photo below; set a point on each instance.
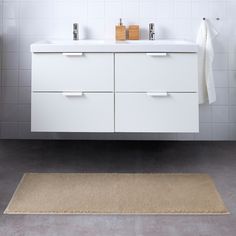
(215, 158)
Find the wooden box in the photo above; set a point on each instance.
(134, 32)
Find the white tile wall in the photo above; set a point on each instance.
(25, 21)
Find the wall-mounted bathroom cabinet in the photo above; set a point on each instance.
(100, 91)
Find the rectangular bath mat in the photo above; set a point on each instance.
(148, 194)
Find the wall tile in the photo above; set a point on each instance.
(10, 26)
(10, 78)
(221, 79)
(232, 131)
(9, 95)
(183, 9)
(205, 113)
(221, 61)
(200, 9)
(131, 9)
(24, 113)
(222, 95)
(35, 9)
(9, 130)
(148, 9)
(232, 96)
(10, 10)
(96, 9)
(9, 113)
(113, 9)
(185, 137)
(220, 114)
(10, 43)
(10, 61)
(75, 9)
(24, 78)
(24, 95)
(220, 131)
(205, 132)
(25, 132)
(232, 114)
(168, 137)
(232, 60)
(232, 79)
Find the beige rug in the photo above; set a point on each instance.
(116, 194)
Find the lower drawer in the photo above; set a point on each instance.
(157, 112)
(72, 112)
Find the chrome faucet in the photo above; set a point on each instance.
(152, 31)
(75, 31)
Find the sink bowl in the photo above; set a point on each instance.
(156, 42)
(71, 42)
(114, 46)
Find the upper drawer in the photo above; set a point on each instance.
(72, 72)
(169, 72)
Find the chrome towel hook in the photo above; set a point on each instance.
(216, 18)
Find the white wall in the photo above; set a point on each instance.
(26, 21)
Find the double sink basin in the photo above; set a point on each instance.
(173, 46)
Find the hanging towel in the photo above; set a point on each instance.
(206, 36)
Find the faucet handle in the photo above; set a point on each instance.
(151, 26)
(75, 26)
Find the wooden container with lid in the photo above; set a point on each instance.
(134, 32)
(120, 32)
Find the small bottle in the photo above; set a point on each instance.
(120, 31)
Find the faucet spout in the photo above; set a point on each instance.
(152, 34)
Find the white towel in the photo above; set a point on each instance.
(206, 35)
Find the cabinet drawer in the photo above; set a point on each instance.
(73, 72)
(172, 72)
(72, 112)
(143, 112)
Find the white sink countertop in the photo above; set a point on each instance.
(174, 46)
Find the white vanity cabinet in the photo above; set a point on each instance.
(114, 88)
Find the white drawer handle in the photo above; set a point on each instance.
(164, 94)
(73, 54)
(157, 54)
(77, 94)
